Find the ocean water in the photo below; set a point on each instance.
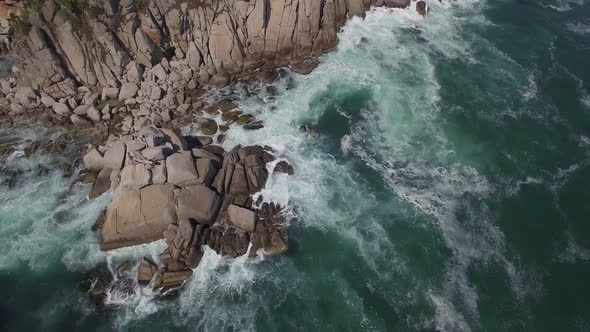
(448, 191)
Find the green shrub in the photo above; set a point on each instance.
(19, 25)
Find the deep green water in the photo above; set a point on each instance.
(449, 191)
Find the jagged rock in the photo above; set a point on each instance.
(114, 157)
(125, 267)
(207, 126)
(269, 76)
(278, 246)
(172, 279)
(397, 3)
(81, 110)
(141, 123)
(207, 171)
(242, 218)
(31, 149)
(256, 173)
(61, 109)
(166, 116)
(175, 138)
(17, 108)
(93, 114)
(220, 79)
(284, 167)
(80, 121)
(204, 140)
(422, 8)
(244, 152)
(215, 149)
(184, 234)
(254, 125)
(47, 101)
(239, 182)
(146, 271)
(93, 160)
(102, 183)
(66, 169)
(312, 132)
(305, 66)
(153, 153)
(181, 169)
(202, 153)
(138, 216)
(156, 93)
(159, 71)
(199, 203)
(159, 173)
(193, 258)
(109, 93)
(90, 99)
(128, 90)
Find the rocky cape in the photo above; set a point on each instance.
(134, 72)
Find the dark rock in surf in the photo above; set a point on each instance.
(125, 267)
(284, 167)
(146, 271)
(397, 3)
(102, 183)
(306, 66)
(422, 8)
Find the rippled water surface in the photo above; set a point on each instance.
(448, 191)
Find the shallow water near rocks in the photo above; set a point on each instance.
(448, 191)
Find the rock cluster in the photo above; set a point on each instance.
(211, 40)
(190, 193)
(129, 108)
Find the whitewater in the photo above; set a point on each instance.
(438, 197)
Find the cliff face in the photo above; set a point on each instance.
(215, 38)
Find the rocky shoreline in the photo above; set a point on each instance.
(132, 95)
(189, 192)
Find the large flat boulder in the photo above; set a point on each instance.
(135, 176)
(181, 169)
(199, 203)
(138, 216)
(242, 218)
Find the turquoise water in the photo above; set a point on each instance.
(448, 191)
